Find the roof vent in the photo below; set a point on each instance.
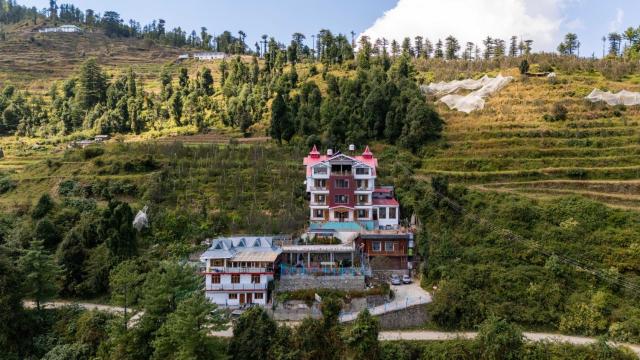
(329, 152)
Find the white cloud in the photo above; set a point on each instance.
(473, 20)
(617, 22)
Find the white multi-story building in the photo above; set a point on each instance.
(342, 188)
(238, 270)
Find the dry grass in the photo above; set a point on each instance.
(508, 146)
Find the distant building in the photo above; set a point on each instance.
(207, 56)
(238, 270)
(62, 29)
(101, 138)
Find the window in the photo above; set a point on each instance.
(233, 296)
(362, 213)
(362, 171)
(342, 183)
(382, 213)
(255, 279)
(258, 296)
(320, 170)
(217, 262)
(392, 213)
(318, 213)
(215, 279)
(320, 199)
(320, 184)
(362, 184)
(235, 278)
(341, 199)
(376, 246)
(257, 243)
(363, 198)
(388, 246)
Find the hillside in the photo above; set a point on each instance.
(509, 147)
(31, 60)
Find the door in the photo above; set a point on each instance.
(249, 298)
(375, 214)
(242, 299)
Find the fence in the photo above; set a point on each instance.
(324, 270)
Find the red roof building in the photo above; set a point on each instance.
(342, 188)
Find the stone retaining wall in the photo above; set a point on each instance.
(410, 317)
(304, 282)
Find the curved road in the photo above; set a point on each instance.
(419, 335)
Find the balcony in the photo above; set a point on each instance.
(341, 173)
(318, 188)
(236, 287)
(237, 270)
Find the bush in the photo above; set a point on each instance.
(92, 152)
(7, 185)
(558, 113)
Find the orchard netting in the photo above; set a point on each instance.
(481, 89)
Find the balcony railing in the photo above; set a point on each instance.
(341, 173)
(235, 270)
(319, 188)
(235, 287)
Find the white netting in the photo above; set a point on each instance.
(141, 220)
(624, 97)
(482, 87)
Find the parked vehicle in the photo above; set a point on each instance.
(395, 280)
(406, 279)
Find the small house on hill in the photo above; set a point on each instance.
(62, 29)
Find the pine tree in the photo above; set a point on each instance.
(452, 47)
(513, 46)
(40, 273)
(362, 337)
(438, 53)
(92, 85)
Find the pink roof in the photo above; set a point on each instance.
(312, 160)
(314, 152)
(367, 153)
(387, 202)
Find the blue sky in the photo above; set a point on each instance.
(545, 21)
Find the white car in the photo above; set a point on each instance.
(406, 279)
(395, 280)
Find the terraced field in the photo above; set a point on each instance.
(509, 146)
(32, 60)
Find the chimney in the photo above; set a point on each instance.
(329, 152)
(352, 147)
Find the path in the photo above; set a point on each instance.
(405, 296)
(440, 336)
(384, 335)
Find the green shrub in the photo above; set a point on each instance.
(7, 185)
(92, 152)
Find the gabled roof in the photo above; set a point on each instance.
(232, 247)
(313, 160)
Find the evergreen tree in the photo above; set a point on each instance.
(452, 47)
(513, 46)
(92, 85)
(185, 334)
(279, 118)
(362, 337)
(116, 229)
(438, 53)
(207, 81)
(11, 304)
(253, 335)
(44, 205)
(40, 273)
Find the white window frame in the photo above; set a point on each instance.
(379, 246)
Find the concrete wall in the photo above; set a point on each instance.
(410, 317)
(303, 282)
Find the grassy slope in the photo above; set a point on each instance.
(509, 147)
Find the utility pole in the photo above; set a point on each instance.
(604, 41)
(353, 39)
